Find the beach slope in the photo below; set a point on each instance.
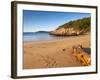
(54, 53)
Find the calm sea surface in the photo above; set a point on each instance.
(39, 36)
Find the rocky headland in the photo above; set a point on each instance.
(73, 28)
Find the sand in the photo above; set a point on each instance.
(54, 53)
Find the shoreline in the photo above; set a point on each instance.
(53, 40)
(53, 53)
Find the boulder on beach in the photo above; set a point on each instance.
(81, 55)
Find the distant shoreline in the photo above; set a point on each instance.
(60, 38)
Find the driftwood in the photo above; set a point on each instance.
(81, 55)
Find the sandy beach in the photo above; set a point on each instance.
(54, 53)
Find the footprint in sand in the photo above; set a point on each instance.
(49, 61)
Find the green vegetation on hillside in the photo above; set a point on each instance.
(80, 24)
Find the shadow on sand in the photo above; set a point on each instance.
(87, 50)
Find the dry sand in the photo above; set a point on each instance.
(54, 53)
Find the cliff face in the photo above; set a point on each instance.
(66, 32)
(73, 28)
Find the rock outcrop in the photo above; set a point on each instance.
(67, 32)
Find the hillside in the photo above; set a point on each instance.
(72, 28)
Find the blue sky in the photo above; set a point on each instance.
(47, 21)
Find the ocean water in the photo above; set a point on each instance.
(39, 36)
